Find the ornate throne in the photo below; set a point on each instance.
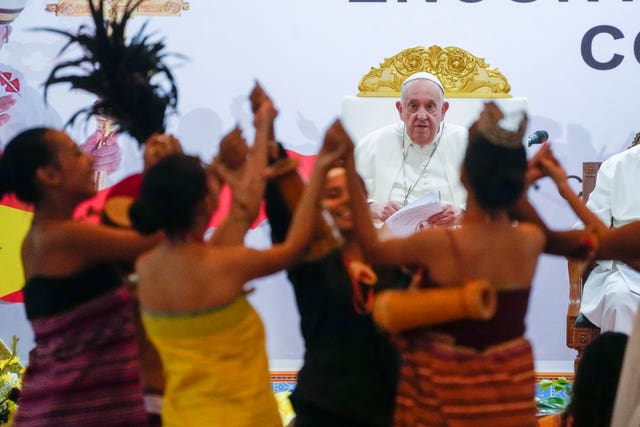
(467, 79)
(580, 331)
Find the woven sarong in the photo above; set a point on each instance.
(216, 365)
(84, 369)
(444, 385)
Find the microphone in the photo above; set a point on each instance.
(538, 137)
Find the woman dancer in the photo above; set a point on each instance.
(84, 368)
(469, 372)
(209, 338)
(350, 367)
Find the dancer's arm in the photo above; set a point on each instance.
(553, 169)
(88, 244)
(260, 263)
(621, 243)
(568, 243)
(409, 250)
(243, 169)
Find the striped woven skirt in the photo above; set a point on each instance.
(84, 370)
(446, 385)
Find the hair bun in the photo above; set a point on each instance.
(144, 216)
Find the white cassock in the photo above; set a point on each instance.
(393, 168)
(612, 291)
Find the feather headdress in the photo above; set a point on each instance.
(135, 88)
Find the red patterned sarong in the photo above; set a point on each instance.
(446, 385)
(84, 370)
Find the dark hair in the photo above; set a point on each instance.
(170, 192)
(495, 173)
(22, 157)
(596, 381)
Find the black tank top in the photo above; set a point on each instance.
(45, 296)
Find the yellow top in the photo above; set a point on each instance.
(216, 367)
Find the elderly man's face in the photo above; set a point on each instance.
(422, 109)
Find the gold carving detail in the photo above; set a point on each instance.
(147, 8)
(462, 74)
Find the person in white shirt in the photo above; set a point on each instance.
(402, 162)
(612, 291)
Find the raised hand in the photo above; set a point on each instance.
(247, 187)
(257, 97)
(233, 149)
(235, 166)
(336, 144)
(241, 167)
(265, 115)
(534, 170)
(552, 168)
(158, 146)
(104, 149)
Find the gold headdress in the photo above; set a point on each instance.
(488, 124)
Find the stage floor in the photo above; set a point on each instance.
(286, 381)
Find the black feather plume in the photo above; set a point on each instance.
(135, 88)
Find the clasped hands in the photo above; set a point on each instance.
(245, 168)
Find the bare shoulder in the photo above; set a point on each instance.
(75, 231)
(436, 234)
(145, 261)
(96, 241)
(430, 241)
(57, 235)
(229, 268)
(229, 261)
(532, 234)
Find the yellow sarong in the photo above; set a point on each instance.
(216, 367)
